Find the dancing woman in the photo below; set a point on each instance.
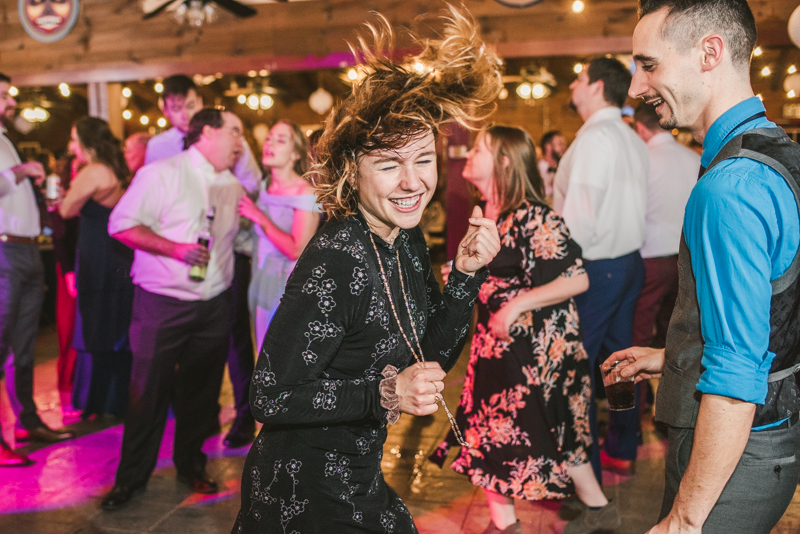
(362, 303)
(524, 407)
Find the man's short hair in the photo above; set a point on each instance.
(646, 114)
(178, 85)
(616, 79)
(688, 21)
(5, 78)
(205, 117)
(547, 138)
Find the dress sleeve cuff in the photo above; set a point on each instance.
(732, 375)
(388, 390)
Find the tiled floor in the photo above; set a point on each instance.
(60, 494)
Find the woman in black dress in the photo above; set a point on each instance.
(103, 264)
(362, 304)
(524, 407)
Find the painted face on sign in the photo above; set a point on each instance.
(48, 15)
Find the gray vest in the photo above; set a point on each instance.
(678, 400)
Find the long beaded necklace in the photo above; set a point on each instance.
(417, 353)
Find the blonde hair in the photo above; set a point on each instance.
(516, 175)
(395, 103)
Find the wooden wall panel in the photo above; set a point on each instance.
(111, 42)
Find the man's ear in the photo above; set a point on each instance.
(712, 49)
(598, 88)
(207, 131)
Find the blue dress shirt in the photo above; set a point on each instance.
(743, 231)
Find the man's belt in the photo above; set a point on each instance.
(6, 238)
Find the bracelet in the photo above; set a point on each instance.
(389, 399)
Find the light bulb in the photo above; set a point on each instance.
(127, 114)
(578, 68)
(757, 52)
(538, 90)
(241, 99)
(766, 71)
(13, 91)
(791, 94)
(758, 96)
(792, 69)
(159, 87)
(578, 6)
(161, 122)
(64, 88)
(145, 120)
(524, 90)
(266, 101)
(503, 94)
(126, 92)
(252, 102)
(352, 74)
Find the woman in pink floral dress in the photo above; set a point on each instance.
(524, 407)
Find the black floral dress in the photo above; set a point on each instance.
(315, 465)
(524, 408)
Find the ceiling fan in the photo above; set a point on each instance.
(237, 8)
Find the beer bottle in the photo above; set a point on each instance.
(198, 272)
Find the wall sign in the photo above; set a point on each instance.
(48, 20)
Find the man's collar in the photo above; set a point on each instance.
(602, 114)
(199, 161)
(660, 138)
(727, 126)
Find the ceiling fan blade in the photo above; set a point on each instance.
(238, 9)
(158, 10)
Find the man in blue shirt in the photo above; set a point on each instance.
(729, 467)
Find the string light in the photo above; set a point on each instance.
(145, 120)
(352, 74)
(241, 99)
(792, 69)
(578, 6)
(757, 52)
(578, 68)
(266, 101)
(758, 96)
(161, 122)
(159, 87)
(263, 72)
(252, 73)
(524, 91)
(64, 88)
(791, 94)
(538, 90)
(126, 92)
(13, 91)
(766, 71)
(252, 102)
(127, 114)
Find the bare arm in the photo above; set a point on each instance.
(86, 184)
(720, 436)
(559, 290)
(291, 244)
(143, 238)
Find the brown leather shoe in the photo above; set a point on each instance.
(9, 458)
(43, 433)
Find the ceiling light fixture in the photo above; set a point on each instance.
(195, 13)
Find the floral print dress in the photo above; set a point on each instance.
(315, 465)
(524, 407)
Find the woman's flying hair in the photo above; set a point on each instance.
(396, 102)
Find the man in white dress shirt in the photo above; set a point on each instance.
(21, 287)
(553, 147)
(179, 327)
(673, 174)
(180, 103)
(601, 191)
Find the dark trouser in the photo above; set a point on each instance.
(179, 350)
(606, 314)
(758, 492)
(656, 301)
(21, 296)
(241, 357)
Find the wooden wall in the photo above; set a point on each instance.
(110, 41)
